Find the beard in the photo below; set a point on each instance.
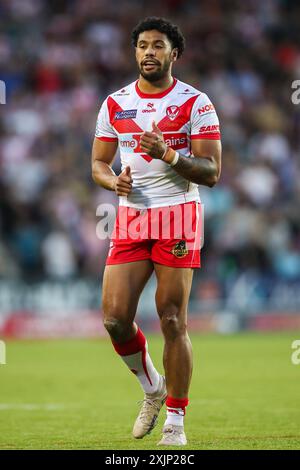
(158, 74)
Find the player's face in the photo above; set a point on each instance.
(154, 55)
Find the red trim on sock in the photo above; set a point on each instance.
(145, 365)
(132, 346)
(177, 402)
(176, 411)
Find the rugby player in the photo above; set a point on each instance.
(169, 140)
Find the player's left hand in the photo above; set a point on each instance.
(153, 143)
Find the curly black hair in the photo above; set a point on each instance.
(162, 25)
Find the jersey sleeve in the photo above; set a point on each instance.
(204, 119)
(104, 130)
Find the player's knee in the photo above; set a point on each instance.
(172, 326)
(116, 318)
(115, 327)
(173, 323)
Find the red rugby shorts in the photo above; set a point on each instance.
(171, 235)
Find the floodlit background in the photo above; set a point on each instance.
(59, 60)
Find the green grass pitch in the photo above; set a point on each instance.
(77, 394)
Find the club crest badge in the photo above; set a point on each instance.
(180, 250)
(172, 112)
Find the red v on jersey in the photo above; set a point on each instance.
(128, 125)
(124, 126)
(182, 113)
(183, 116)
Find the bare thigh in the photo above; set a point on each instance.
(173, 291)
(122, 287)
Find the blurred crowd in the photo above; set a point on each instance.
(59, 59)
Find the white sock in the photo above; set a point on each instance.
(175, 416)
(176, 410)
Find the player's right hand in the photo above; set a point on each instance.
(123, 184)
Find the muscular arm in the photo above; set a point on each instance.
(102, 158)
(205, 167)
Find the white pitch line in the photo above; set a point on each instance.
(31, 406)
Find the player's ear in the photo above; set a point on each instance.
(174, 54)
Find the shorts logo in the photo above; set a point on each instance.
(127, 114)
(172, 112)
(180, 250)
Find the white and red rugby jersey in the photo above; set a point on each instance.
(182, 113)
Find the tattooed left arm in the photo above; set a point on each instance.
(204, 168)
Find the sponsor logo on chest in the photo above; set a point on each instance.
(150, 108)
(126, 114)
(130, 143)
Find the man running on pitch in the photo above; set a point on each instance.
(169, 140)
